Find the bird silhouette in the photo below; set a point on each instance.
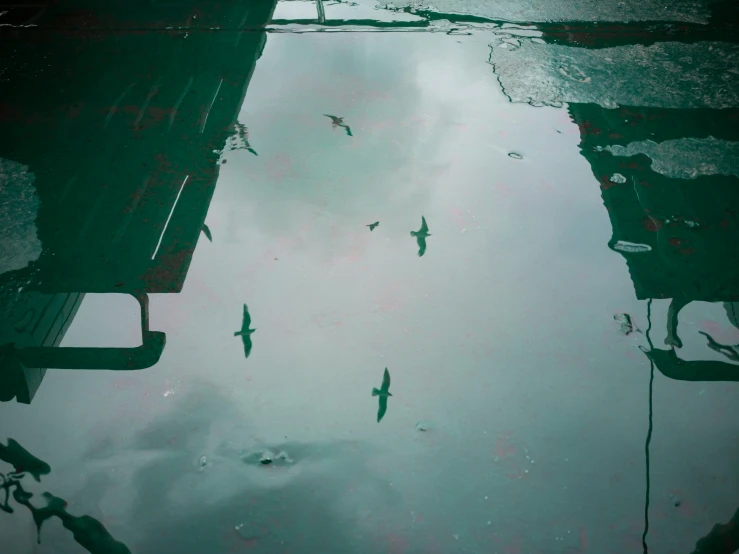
(206, 232)
(383, 393)
(373, 225)
(421, 235)
(245, 332)
(339, 122)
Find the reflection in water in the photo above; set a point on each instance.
(670, 365)
(650, 429)
(126, 170)
(87, 531)
(339, 122)
(421, 235)
(684, 226)
(730, 351)
(383, 393)
(268, 502)
(373, 225)
(20, 362)
(206, 232)
(160, 471)
(723, 538)
(22, 460)
(245, 332)
(684, 223)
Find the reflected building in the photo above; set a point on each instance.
(115, 114)
(669, 180)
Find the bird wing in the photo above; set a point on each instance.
(421, 245)
(348, 130)
(382, 401)
(333, 117)
(206, 232)
(246, 339)
(246, 320)
(386, 381)
(424, 227)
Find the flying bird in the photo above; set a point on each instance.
(383, 393)
(339, 122)
(421, 235)
(206, 232)
(245, 332)
(373, 225)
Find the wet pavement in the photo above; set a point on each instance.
(335, 277)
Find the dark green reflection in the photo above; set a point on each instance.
(723, 538)
(245, 332)
(421, 236)
(207, 233)
(677, 228)
(382, 394)
(88, 531)
(123, 158)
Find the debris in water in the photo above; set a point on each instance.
(423, 426)
(627, 324)
(515, 155)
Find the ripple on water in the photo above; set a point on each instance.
(424, 425)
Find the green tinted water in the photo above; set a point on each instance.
(561, 357)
